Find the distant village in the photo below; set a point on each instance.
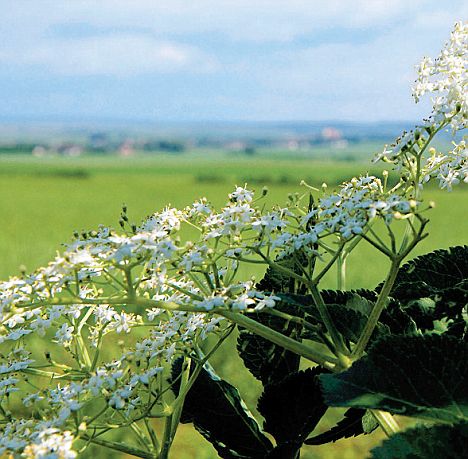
(99, 143)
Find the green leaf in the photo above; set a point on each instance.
(217, 411)
(348, 310)
(393, 316)
(277, 281)
(293, 407)
(423, 376)
(434, 288)
(265, 360)
(350, 426)
(437, 442)
(431, 273)
(360, 301)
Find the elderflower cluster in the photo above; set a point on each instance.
(145, 289)
(448, 169)
(446, 77)
(346, 213)
(33, 439)
(118, 308)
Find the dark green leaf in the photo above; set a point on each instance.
(217, 411)
(265, 360)
(434, 288)
(422, 376)
(278, 281)
(348, 310)
(350, 426)
(437, 442)
(284, 451)
(431, 273)
(293, 407)
(362, 300)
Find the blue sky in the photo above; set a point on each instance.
(217, 59)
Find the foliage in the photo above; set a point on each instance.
(425, 443)
(397, 349)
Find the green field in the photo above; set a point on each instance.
(43, 200)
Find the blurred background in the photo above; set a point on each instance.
(150, 103)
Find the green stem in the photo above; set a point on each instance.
(167, 440)
(290, 318)
(52, 375)
(179, 401)
(341, 272)
(386, 421)
(119, 447)
(376, 310)
(288, 343)
(327, 267)
(280, 267)
(152, 434)
(128, 278)
(83, 350)
(327, 321)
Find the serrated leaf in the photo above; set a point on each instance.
(217, 411)
(422, 376)
(293, 407)
(278, 281)
(433, 272)
(350, 426)
(439, 441)
(434, 287)
(362, 300)
(265, 360)
(348, 311)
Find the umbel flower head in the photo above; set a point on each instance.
(445, 79)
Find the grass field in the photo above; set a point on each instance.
(43, 200)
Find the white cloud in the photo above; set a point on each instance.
(243, 20)
(120, 55)
(267, 59)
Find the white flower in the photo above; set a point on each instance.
(64, 335)
(122, 322)
(17, 334)
(447, 79)
(210, 303)
(241, 195)
(265, 301)
(51, 444)
(192, 258)
(242, 302)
